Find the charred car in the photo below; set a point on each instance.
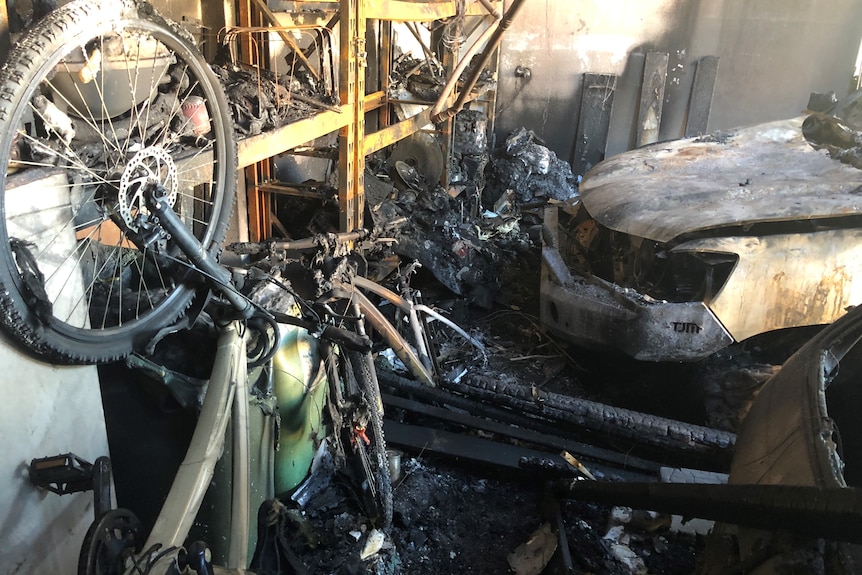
(678, 249)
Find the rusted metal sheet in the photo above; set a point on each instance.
(652, 97)
(786, 280)
(765, 173)
(701, 96)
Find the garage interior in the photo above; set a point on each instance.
(459, 132)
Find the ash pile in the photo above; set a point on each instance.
(470, 233)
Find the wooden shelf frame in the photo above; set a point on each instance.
(355, 142)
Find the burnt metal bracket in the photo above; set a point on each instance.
(67, 473)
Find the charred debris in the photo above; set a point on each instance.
(508, 405)
(513, 441)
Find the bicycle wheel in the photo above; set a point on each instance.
(369, 442)
(100, 102)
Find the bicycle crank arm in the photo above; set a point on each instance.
(218, 277)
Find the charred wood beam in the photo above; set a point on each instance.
(634, 426)
(403, 385)
(459, 445)
(833, 513)
(476, 449)
(523, 433)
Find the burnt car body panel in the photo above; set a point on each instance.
(803, 429)
(681, 248)
(763, 173)
(591, 311)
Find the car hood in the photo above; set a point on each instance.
(767, 172)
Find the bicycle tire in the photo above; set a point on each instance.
(374, 459)
(86, 274)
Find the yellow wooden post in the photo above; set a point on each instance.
(351, 158)
(385, 68)
(358, 207)
(347, 93)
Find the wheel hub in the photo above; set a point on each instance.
(152, 165)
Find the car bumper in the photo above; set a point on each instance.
(592, 312)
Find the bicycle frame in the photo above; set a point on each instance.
(226, 397)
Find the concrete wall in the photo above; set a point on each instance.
(773, 54)
(46, 410)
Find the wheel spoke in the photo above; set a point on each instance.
(98, 96)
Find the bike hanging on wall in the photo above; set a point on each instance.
(117, 182)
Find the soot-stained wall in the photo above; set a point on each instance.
(772, 55)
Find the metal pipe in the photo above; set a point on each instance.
(407, 307)
(410, 307)
(492, 10)
(455, 327)
(465, 61)
(302, 244)
(392, 337)
(429, 57)
(493, 43)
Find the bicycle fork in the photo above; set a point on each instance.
(219, 278)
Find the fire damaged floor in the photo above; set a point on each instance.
(454, 518)
(486, 508)
(489, 510)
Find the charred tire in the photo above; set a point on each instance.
(100, 99)
(373, 457)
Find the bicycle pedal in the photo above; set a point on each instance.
(62, 474)
(67, 473)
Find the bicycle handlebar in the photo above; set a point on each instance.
(349, 339)
(314, 242)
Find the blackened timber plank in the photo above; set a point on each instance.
(622, 132)
(597, 98)
(461, 446)
(652, 97)
(702, 90)
(623, 460)
(480, 450)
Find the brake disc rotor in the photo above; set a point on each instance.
(152, 165)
